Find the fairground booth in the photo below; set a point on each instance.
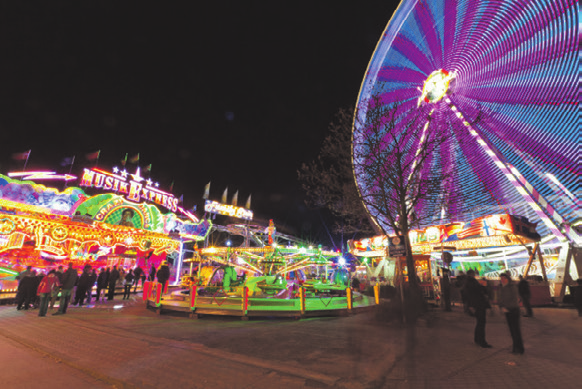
(102, 219)
(489, 245)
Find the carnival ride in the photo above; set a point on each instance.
(268, 280)
(100, 230)
(502, 76)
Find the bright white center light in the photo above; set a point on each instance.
(436, 86)
(341, 261)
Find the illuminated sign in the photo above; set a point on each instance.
(42, 176)
(133, 186)
(229, 210)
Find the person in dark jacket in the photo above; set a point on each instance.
(525, 295)
(83, 286)
(26, 290)
(509, 304)
(92, 280)
(113, 277)
(137, 273)
(102, 281)
(478, 301)
(69, 280)
(578, 297)
(163, 274)
(56, 290)
(446, 290)
(129, 279)
(152, 273)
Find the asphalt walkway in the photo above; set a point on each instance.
(121, 344)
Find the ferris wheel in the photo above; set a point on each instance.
(513, 64)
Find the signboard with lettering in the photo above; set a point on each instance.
(135, 187)
(228, 210)
(396, 246)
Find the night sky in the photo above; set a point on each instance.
(237, 93)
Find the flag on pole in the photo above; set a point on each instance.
(148, 168)
(224, 196)
(206, 192)
(93, 156)
(124, 160)
(248, 204)
(21, 156)
(172, 186)
(135, 158)
(235, 198)
(181, 199)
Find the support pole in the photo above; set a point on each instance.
(542, 266)
(302, 299)
(245, 301)
(349, 297)
(532, 255)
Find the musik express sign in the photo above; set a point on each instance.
(229, 210)
(135, 187)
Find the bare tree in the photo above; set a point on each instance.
(328, 180)
(400, 161)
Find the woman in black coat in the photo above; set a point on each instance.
(102, 280)
(128, 283)
(82, 286)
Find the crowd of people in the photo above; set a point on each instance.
(42, 291)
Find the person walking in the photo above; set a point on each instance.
(525, 296)
(69, 280)
(477, 300)
(137, 273)
(446, 290)
(163, 275)
(152, 273)
(460, 282)
(55, 291)
(101, 284)
(82, 286)
(92, 280)
(113, 277)
(129, 278)
(26, 291)
(509, 305)
(49, 283)
(578, 297)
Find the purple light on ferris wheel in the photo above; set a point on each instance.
(514, 65)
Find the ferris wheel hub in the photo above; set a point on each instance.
(436, 86)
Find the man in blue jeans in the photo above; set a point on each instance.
(69, 281)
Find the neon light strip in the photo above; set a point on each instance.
(42, 176)
(547, 221)
(544, 203)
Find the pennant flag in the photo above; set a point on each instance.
(194, 208)
(67, 161)
(248, 204)
(21, 156)
(224, 195)
(135, 158)
(124, 160)
(93, 156)
(235, 198)
(148, 168)
(172, 186)
(181, 199)
(206, 192)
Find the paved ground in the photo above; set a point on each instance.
(123, 345)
